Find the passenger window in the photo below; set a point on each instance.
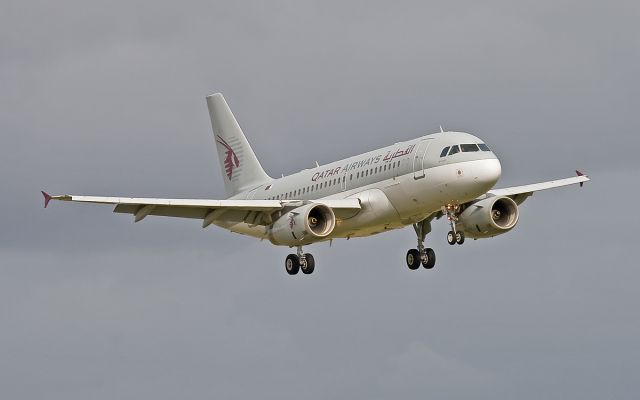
(467, 148)
(454, 150)
(444, 151)
(483, 147)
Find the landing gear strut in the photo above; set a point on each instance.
(421, 255)
(453, 236)
(300, 262)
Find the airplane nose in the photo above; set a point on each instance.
(489, 172)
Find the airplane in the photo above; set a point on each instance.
(446, 174)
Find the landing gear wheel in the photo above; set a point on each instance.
(310, 264)
(413, 259)
(451, 238)
(459, 237)
(431, 258)
(292, 264)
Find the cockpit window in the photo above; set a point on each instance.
(444, 151)
(483, 147)
(469, 147)
(454, 150)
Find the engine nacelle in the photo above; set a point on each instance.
(489, 217)
(303, 225)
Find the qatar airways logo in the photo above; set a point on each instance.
(390, 156)
(231, 161)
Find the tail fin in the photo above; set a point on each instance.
(240, 166)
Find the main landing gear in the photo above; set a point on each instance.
(299, 262)
(454, 236)
(421, 256)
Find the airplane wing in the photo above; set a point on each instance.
(521, 193)
(256, 212)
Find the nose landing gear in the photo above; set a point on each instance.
(453, 236)
(300, 262)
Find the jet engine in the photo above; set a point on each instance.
(489, 217)
(303, 225)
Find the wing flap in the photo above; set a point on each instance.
(163, 211)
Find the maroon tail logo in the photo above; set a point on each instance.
(231, 160)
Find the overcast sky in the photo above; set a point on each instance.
(109, 99)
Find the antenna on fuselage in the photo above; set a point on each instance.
(317, 165)
(441, 130)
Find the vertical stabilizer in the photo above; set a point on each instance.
(240, 167)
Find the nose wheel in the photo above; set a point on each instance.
(300, 262)
(424, 256)
(453, 236)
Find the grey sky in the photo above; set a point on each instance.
(108, 98)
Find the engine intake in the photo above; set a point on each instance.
(303, 225)
(489, 217)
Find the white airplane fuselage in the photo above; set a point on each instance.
(407, 183)
(397, 185)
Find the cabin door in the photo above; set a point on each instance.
(419, 158)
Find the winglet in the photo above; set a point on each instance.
(47, 198)
(580, 174)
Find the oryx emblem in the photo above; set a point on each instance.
(231, 161)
